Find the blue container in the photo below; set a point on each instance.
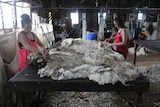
(92, 36)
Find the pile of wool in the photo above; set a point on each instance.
(35, 57)
(77, 58)
(152, 72)
(140, 51)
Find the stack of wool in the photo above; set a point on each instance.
(77, 58)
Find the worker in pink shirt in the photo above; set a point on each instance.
(27, 42)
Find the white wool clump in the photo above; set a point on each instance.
(117, 56)
(40, 72)
(101, 46)
(66, 75)
(140, 51)
(81, 46)
(67, 42)
(52, 51)
(101, 79)
(96, 73)
(125, 71)
(152, 72)
(33, 55)
(46, 71)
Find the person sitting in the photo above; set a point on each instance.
(142, 36)
(61, 34)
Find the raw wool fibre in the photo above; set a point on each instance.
(77, 58)
(80, 99)
(152, 72)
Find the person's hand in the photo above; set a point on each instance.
(42, 50)
(109, 44)
(45, 51)
(107, 40)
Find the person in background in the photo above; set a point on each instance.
(121, 38)
(142, 36)
(61, 34)
(64, 34)
(28, 42)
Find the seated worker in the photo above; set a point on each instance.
(121, 38)
(61, 34)
(28, 42)
(142, 36)
(92, 35)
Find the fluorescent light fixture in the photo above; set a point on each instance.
(140, 16)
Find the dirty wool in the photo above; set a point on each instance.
(77, 58)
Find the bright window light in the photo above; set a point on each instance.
(104, 17)
(6, 0)
(74, 17)
(140, 16)
(21, 10)
(7, 18)
(1, 21)
(35, 20)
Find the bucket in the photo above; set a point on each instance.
(92, 36)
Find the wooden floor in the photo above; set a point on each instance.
(148, 59)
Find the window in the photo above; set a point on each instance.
(22, 8)
(7, 18)
(35, 20)
(104, 17)
(74, 17)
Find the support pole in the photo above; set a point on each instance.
(84, 26)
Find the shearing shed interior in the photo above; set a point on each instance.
(79, 53)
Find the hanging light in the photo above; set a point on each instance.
(140, 15)
(96, 3)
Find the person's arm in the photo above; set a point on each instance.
(63, 35)
(44, 52)
(124, 39)
(112, 37)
